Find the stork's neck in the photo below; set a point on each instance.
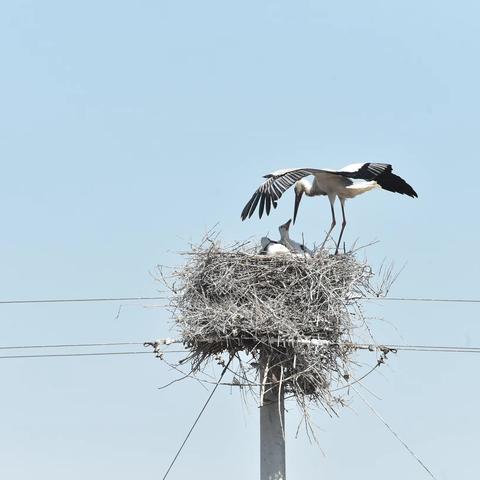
(305, 187)
(284, 235)
(285, 239)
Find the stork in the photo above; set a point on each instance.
(345, 183)
(291, 244)
(284, 245)
(272, 248)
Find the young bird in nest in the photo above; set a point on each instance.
(284, 245)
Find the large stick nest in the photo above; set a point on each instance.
(295, 312)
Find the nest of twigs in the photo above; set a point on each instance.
(296, 312)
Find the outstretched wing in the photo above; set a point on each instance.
(365, 171)
(272, 189)
(380, 173)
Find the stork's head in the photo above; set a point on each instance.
(301, 187)
(283, 229)
(265, 242)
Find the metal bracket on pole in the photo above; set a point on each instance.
(158, 343)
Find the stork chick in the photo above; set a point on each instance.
(272, 248)
(291, 244)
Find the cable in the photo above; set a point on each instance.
(196, 420)
(72, 345)
(409, 450)
(132, 299)
(411, 299)
(431, 348)
(365, 346)
(50, 355)
(419, 348)
(81, 354)
(73, 300)
(358, 380)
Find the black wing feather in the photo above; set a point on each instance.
(382, 174)
(247, 212)
(272, 189)
(262, 205)
(394, 183)
(368, 171)
(267, 204)
(253, 205)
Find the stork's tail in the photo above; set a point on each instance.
(394, 183)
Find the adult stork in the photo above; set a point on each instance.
(347, 182)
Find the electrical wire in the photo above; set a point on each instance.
(417, 348)
(133, 299)
(197, 419)
(79, 354)
(365, 346)
(71, 345)
(412, 299)
(75, 300)
(90, 354)
(426, 348)
(409, 450)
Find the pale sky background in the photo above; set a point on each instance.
(129, 128)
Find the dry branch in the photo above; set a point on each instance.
(231, 300)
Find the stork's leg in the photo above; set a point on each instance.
(332, 226)
(344, 222)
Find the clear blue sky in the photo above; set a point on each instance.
(129, 128)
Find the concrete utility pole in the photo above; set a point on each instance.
(272, 426)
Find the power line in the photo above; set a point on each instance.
(385, 347)
(88, 354)
(434, 348)
(82, 354)
(409, 450)
(76, 300)
(418, 348)
(133, 299)
(71, 345)
(166, 342)
(196, 420)
(51, 355)
(421, 299)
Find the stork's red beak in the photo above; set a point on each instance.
(298, 199)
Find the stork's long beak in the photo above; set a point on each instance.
(286, 225)
(298, 199)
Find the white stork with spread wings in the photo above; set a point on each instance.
(347, 182)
